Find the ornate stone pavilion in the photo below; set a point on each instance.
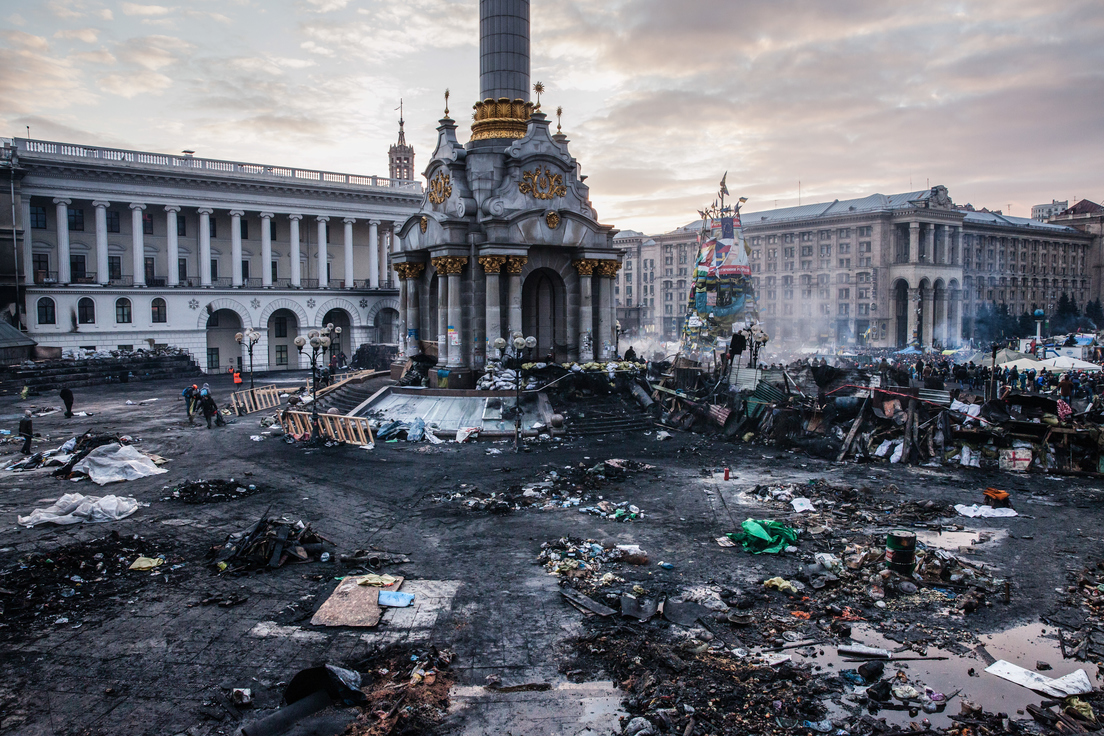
(506, 239)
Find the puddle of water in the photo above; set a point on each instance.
(952, 540)
(1024, 645)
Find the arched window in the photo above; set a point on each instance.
(86, 311)
(122, 311)
(158, 311)
(47, 314)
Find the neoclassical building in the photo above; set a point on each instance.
(880, 270)
(505, 238)
(127, 249)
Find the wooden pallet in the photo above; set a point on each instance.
(255, 399)
(353, 430)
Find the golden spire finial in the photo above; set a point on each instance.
(446, 101)
(559, 112)
(538, 88)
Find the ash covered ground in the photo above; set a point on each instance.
(160, 651)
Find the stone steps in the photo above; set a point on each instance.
(610, 419)
(346, 398)
(54, 375)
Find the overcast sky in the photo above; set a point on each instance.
(1002, 101)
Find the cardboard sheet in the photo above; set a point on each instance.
(352, 604)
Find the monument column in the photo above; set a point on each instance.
(453, 266)
(204, 245)
(442, 310)
(63, 239)
(409, 273)
(585, 267)
(102, 270)
(296, 267)
(172, 243)
(373, 254)
(914, 244)
(492, 266)
(607, 270)
(266, 249)
(514, 264)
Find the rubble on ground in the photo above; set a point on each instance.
(210, 491)
(268, 544)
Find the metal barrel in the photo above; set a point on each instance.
(901, 551)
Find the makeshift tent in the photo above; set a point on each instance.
(1023, 364)
(1004, 355)
(1065, 363)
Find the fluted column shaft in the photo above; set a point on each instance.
(373, 254)
(205, 245)
(138, 243)
(492, 267)
(296, 266)
(586, 310)
(172, 244)
(102, 275)
(323, 254)
(235, 248)
(514, 265)
(266, 249)
(349, 251)
(62, 211)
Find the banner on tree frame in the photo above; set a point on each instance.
(722, 253)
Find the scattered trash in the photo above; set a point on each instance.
(146, 563)
(764, 536)
(112, 463)
(210, 491)
(267, 544)
(984, 512)
(1076, 683)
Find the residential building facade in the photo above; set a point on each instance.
(883, 270)
(127, 249)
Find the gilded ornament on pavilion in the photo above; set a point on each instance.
(492, 264)
(514, 264)
(449, 265)
(585, 266)
(423, 223)
(501, 118)
(440, 188)
(542, 183)
(552, 217)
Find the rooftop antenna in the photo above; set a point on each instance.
(400, 109)
(28, 131)
(798, 192)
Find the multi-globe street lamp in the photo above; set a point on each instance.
(249, 338)
(512, 356)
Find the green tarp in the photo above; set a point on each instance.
(761, 536)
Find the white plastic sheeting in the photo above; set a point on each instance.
(74, 508)
(114, 462)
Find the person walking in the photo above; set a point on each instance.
(67, 397)
(26, 432)
(191, 401)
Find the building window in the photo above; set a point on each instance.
(212, 359)
(281, 355)
(86, 311)
(212, 229)
(181, 226)
(279, 327)
(76, 219)
(213, 320)
(149, 270)
(40, 262)
(114, 267)
(158, 311)
(244, 228)
(77, 263)
(214, 269)
(38, 217)
(147, 223)
(845, 263)
(844, 293)
(825, 234)
(245, 270)
(866, 232)
(122, 311)
(112, 221)
(275, 270)
(182, 269)
(844, 248)
(271, 228)
(47, 315)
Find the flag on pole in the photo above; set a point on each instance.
(724, 186)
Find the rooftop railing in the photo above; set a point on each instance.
(30, 147)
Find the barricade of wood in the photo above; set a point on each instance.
(353, 430)
(255, 399)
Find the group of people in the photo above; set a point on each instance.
(198, 399)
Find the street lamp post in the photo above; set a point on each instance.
(319, 341)
(512, 355)
(250, 338)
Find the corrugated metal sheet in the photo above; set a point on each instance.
(449, 413)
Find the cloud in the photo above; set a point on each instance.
(134, 84)
(105, 14)
(17, 20)
(144, 10)
(326, 6)
(35, 80)
(152, 52)
(314, 48)
(88, 35)
(103, 57)
(27, 41)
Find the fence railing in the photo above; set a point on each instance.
(121, 156)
